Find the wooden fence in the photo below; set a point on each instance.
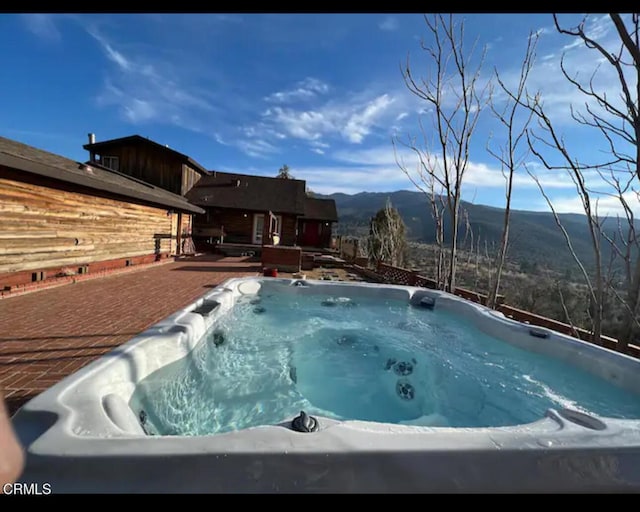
(397, 275)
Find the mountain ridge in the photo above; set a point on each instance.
(534, 235)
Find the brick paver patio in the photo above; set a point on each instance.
(47, 335)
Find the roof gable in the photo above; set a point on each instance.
(320, 209)
(137, 140)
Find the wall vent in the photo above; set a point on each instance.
(38, 276)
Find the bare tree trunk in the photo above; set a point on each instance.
(594, 226)
(629, 241)
(508, 157)
(476, 271)
(597, 321)
(453, 254)
(436, 213)
(440, 240)
(468, 232)
(502, 251)
(454, 125)
(566, 312)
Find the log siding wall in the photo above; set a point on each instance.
(49, 224)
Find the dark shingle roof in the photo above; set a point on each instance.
(242, 191)
(36, 161)
(137, 139)
(320, 209)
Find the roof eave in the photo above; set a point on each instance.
(58, 174)
(323, 219)
(207, 204)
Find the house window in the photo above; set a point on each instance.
(110, 162)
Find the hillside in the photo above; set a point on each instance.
(535, 237)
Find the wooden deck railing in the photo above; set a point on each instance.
(397, 275)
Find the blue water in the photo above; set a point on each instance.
(375, 360)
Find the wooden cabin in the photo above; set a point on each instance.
(240, 208)
(148, 161)
(246, 209)
(62, 217)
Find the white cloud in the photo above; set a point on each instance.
(113, 55)
(401, 116)
(389, 24)
(257, 148)
(140, 110)
(308, 125)
(359, 123)
(43, 26)
(147, 91)
(351, 179)
(478, 174)
(319, 147)
(379, 155)
(304, 90)
(375, 169)
(218, 138)
(134, 109)
(351, 118)
(557, 93)
(149, 86)
(573, 44)
(117, 57)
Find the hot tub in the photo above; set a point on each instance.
(281, 385)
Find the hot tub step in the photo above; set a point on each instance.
(206, 308)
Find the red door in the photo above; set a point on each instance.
(311, 233)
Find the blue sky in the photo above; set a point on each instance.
(249, 93)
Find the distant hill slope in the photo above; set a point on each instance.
(534, 236)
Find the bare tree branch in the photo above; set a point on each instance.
(619, 127)
(453, 93)
(510, 162)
